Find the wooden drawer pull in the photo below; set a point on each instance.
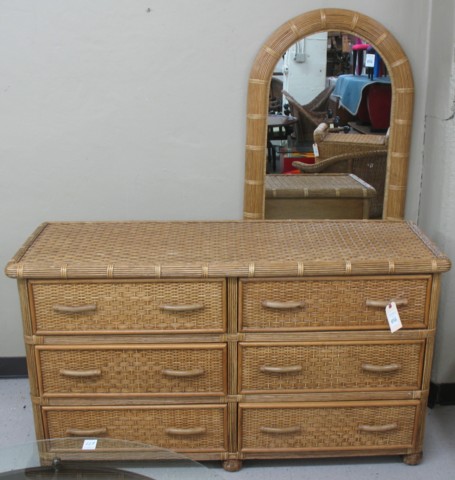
(393, 367)
(288, 369)
(282, 305)
(400, 302)
(378, 428)
(278, 431)
(90, 432)
(95, 372)
(185, 431)
(182, 308)
(78, 309)
(183, 373)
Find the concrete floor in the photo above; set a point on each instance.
(16, 427)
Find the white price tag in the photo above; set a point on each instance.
(315, 150)
(393, 317)
(89, 444)
(369, 60)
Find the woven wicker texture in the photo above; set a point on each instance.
(147, 425)
(330, 367)
(317, 186)
(154, 249)
(185, 370)
(129, 306)
(332, 427)
(328, 304)
(336, 143)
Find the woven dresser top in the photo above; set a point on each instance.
(227, 248)
(324, 185)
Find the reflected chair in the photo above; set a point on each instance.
(309, 115)
(330, 143)
(370, 166)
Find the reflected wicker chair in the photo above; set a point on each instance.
(369, 166)
(330, 143)
(310, 115)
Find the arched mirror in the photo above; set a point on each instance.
(393, 153)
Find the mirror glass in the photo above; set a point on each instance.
(328, 118)
(315, 128)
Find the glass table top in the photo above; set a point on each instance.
(97, 458)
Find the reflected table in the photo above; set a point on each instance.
(78, 458)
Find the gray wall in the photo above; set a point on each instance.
(114, 109)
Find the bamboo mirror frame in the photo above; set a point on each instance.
(258, 97)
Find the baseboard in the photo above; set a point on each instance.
(441, 394)
(13, 367)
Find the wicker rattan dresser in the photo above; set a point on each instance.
(232, 340)
(317, 196)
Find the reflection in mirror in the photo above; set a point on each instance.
(328, 121)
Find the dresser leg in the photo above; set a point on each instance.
(413, 458)
(232, 465)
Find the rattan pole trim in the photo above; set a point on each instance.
(257, 81)
(405, 90)
(255, 148)
(20, 271)
(355, 21)
(272, 52)
(294, 29)
(399, 62)
(110, 271)
(382, 38)
(391, 266)
(252, 216)
(323, 19)
(256, 116)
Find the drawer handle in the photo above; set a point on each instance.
(400, 302)
(182, 308)
(183, 373)
(185, 431)
(393, 367)
(378, 428)
(279, 431)
(282, 305)
(78, 309)
(96, 372)
(288, 369)
(90, 432)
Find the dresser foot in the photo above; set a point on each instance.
(232, 465)
(413, 458)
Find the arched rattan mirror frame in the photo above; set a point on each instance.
(401, 110)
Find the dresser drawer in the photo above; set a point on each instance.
(332, 303)
(132, 370)
(330, 366)
(128, 307)
(347, 426)
(195, 428)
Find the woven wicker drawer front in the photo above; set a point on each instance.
(161, 306)
(158, 370)
(192, 428)
(330, 366)
(329, 426)
(353, 303)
